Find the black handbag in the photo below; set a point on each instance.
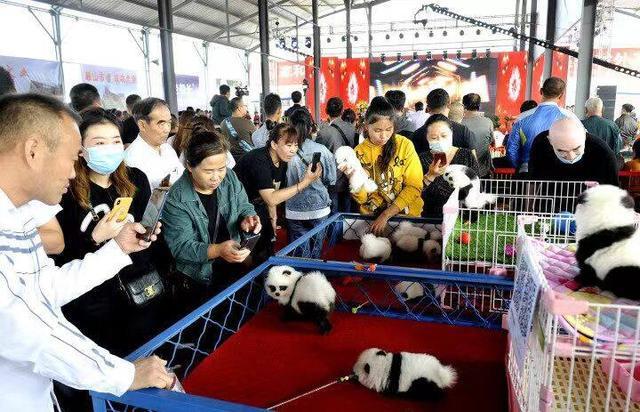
(142, 289)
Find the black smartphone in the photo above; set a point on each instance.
(249, 240)
(440, 156)
(153, 211)
(315, 161)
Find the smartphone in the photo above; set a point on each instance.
(440, 156)
(249, 240)
(153, 211)
(120, 208)
(315, 161)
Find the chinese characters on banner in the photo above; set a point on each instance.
(33, 75)
(113, 84)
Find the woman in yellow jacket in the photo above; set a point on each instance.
(392, 162)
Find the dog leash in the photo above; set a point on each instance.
(339, 380)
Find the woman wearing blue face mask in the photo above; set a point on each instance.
(103, 314)
(441, 154)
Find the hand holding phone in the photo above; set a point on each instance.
(440, 157)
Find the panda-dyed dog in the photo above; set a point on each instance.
(309, 296)
(411, 375)
(466, 180)
(608, 242)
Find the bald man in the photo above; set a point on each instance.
(567, 152)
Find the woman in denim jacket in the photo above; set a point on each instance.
(311, 206)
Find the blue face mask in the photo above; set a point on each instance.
(441, 146)
(104, 159)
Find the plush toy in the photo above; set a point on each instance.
(411, 375)
(346, 156)
(309, 296)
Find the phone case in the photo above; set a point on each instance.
(120, 208)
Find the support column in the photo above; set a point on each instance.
(369, 35)
(516, 22)
(347, 10)
(147, 60)
(263, 24)
(166, 44)
(585, 58)
(523, 20)
(532, 46)
(316, 60)
(226, 12)
(57, 41)
(550, 37)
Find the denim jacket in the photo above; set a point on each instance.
(313, 202)
(186, 224)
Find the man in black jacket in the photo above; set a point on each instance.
(568, 153)
(130, 129)
(438, 102)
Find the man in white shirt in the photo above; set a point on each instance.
(39, 143)
(150, 152)
(419, 117)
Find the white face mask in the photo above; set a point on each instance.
(567, 161)
(442, 146)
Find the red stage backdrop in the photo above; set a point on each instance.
(345, 78)
(350, 79)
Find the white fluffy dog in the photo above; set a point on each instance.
(346, 156)
(375, 248)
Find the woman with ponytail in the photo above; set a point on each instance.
(273, 113)
(392, 162)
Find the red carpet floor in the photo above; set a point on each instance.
(269, 361)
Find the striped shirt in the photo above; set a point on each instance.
(37, 343)
(529, 125)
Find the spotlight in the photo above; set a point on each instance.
(398, 57)
(445, 55)
(462, 32)
(415, 55)
(328, 39)
(478, 32)
(370, 37)
(474, 53)
(283, 43)
(428, 55)
(444, 33)
(355, 38)
(430, 33)
(401, 35)
(494, 30)
(344, 38)
(459, 54)
(307, 42)
(294, 42)
(487, 53)
(382, 57)
(387, 37)
(416, 35)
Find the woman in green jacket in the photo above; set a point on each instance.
(206, 211)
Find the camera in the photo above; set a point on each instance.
(242, 91)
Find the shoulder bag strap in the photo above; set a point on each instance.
(344, 137)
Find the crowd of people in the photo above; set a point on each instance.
(66, 166)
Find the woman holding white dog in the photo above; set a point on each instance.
(393, 164)
(441, 154)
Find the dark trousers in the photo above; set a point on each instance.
(298, 228)
(341, 202)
